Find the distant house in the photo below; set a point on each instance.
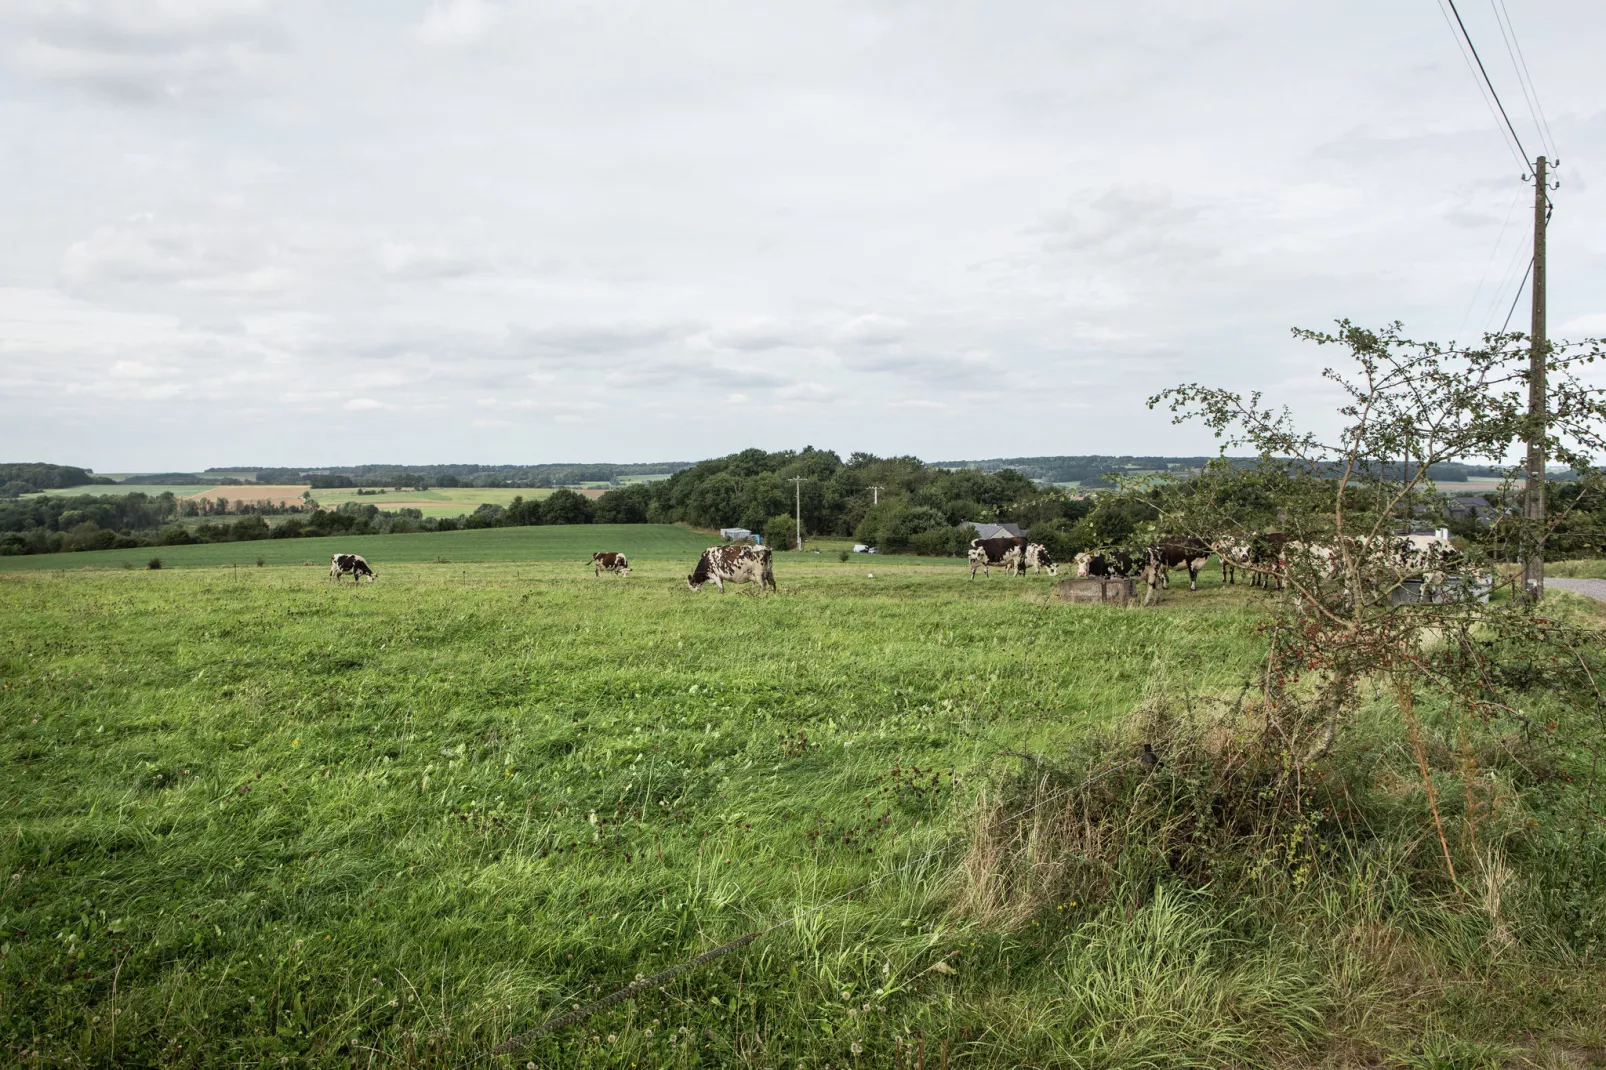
(1472, 508)
(993, 531)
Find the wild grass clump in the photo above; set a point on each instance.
(1270, 898)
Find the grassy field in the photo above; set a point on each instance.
(259, 818)
(567, 543)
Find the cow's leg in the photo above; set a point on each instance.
(718, 583)
(1193, 576)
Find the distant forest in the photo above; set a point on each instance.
(458, 475)
(29, 478)
(897, 504)
(1090, 471)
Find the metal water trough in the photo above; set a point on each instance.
(1094, 591)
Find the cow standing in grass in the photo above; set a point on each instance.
(1103, 564)
(736, 563)
(342, 564)
(1192, 554)
(608, 561)
(1037, 559)
(1006, 551)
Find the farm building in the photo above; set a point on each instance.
(736, 534)
(993, 531)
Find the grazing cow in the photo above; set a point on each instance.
(342, 564)
(1234, 555)
(608, 561)
(1105, 563)
(1007, 552)
(737, 562)
(1267, 558)
(1037, 559)
(1194, 554)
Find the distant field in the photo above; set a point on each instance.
(280, 493)
(556, 543)
(437, 501)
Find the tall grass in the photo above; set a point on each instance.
(262, 818)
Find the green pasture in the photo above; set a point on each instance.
(569, 543)
(256, 819)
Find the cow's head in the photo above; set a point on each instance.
(1083, 561)
(699, 575)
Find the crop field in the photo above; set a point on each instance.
(278, 493)
(437, 501)
(257, 819)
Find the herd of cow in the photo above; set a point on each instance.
(1263, 556)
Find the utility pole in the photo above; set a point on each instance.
(877, 495)
(797, 484)
(1533, 564)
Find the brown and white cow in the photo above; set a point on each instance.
(608, 561)
(352, 564)
(1103, 564)
(1192, 554)
(1007, 552)
(1037, 559)
(736, 562)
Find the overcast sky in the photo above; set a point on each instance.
(251, 232)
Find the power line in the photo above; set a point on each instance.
(1550, 210)
(1517, 296)
(1524, 79)
(1522, 153)
(1487, 264)
(1496, 297)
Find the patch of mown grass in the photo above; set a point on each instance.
(268, 818)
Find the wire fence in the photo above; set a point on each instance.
(644, 983)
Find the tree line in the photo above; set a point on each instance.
(896, 504)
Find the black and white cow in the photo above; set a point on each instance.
(608, 561)
(1037, 559)
(1234, 555)
(736, 562)
(1007, 552)
(1192, 554)
(352, 564)
(1103, 564)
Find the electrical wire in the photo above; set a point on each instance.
(1497, 297)
(1517, 296)
(1485, 86)
(1524, 79)
(1499, 240)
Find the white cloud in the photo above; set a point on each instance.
(365, 405)
(457, 22)
(702, 226)
(143, 51)
(873, 329)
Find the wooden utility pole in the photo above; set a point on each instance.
(1533, 564)
(876, 492)
(797, 484)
